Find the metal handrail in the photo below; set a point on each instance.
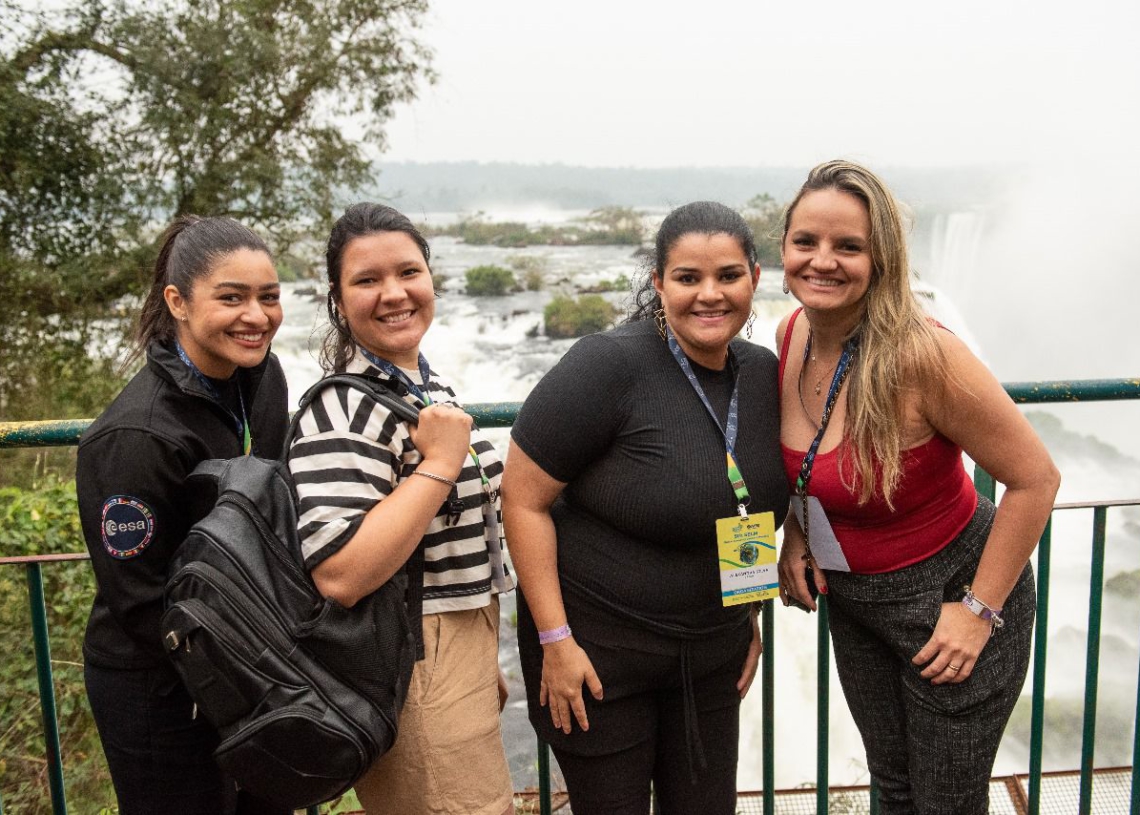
(64, 433)
(502, 414)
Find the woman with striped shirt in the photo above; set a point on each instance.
(373, 489)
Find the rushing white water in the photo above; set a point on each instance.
(488, 348)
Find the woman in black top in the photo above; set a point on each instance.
(209, 389)
(614, 486)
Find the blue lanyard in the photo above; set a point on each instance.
(422, 394)
(242, 424)
(394, 372)
(729, 430)
(841, 371)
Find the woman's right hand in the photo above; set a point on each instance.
(565, 668)
(443, 436)
(793, 568)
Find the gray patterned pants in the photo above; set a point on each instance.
(931, 748)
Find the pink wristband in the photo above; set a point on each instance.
(553, 635)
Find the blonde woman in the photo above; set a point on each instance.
(931, 597)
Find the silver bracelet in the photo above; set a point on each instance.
(434, 477)
(985, 611)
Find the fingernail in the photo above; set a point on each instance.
(823, 590)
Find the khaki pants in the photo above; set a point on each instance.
(448, 757)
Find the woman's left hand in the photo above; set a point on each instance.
(755, 649)
(952, 651)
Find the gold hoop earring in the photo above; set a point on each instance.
(748, 325)
(659, 321)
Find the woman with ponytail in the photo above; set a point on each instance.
(930, 594)
(209, 389)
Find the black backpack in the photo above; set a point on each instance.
(304, 693)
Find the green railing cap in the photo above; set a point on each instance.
(502, 414)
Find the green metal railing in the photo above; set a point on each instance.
(65, 433)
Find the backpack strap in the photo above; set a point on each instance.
(378, 390)
(365, 384)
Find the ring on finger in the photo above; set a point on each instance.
(954, 668)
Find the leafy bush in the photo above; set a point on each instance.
(565, 317)
(489, 281)
(45, 520)
(532, 270)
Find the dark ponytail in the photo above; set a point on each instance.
(188, 250)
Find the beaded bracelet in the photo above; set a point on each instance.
(553, 635)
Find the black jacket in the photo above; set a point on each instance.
(133, 504)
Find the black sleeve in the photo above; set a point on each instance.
(270, 411)
(576, 411)
(135, 513)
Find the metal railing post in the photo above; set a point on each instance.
(874, 793)
(1134, 808)
(768, 705)
(823, 711)
(984, 483)
(1092, 660)
(38, 609)
(544, 804)
(1040, 643)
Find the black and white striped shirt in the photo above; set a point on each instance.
(350, 453)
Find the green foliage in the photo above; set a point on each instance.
(227, 106)
(46, 369)
(116, 116)
(489, 281)
(766, 217)
(619, 283)
(532, 270)
(45, 520)
(613, 225)
(564, 317)
(608, 226)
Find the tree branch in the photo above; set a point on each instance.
(68, 41)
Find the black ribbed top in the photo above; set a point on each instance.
(617, 419)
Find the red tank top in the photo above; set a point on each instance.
(934, 501)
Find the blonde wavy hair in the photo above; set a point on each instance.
(897, 345)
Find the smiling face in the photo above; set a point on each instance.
(706, 291)
(231, 315)
(827, 253)
(386, 295)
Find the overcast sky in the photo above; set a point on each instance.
(732, 82)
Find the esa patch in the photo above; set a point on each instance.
(128, 526)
